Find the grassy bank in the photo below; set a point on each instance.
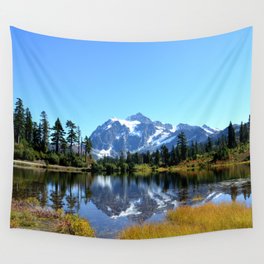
(50, 167)
(191, 220)
(28, 214)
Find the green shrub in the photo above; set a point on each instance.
(64, 160)
(110, 168)
(18, 151)
(221, 154)
(124, 167)
(97, 167)
(76, 161)
(28, 154)
(53, 158)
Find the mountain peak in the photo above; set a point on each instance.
(209, 129)
(139, 117)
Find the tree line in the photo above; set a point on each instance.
(219, 149)
(56, 145)
(53, 144)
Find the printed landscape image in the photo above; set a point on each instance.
(131, 140)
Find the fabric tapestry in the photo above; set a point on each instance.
(131, 140)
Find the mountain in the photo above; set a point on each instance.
(138, 133)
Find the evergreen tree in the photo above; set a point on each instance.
(209, 145)
(36, 137)
(165, 156)
(121, 158)
(231, 136)
(78, 132)
(19, 121)
(157, 157)
(177, 155)
(57, 137)
(72, 136)
(147, 158)
(172, 156)
(135, 158)
(193, 150)
(44, 131)
(28, 127)
(182, 145)
(196, 148)
(244, 133)
(128, 158)
(87, 146)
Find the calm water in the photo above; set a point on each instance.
(111, 202)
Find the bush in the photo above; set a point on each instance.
(74, 225)
(23, 152)
(97, 167)
(221, 154)
(53, 158)
(29, 154)
(76, 161)
(18, 151)
(64, 160)
(110, 167)
(124, 167)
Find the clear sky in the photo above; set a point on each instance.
(199, 81)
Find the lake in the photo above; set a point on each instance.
(113, 202)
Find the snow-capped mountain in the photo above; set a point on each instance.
(139, 133)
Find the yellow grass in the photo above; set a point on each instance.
(191, 220)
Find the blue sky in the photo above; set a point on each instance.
(199, 81)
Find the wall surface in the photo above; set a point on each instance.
(132, 20)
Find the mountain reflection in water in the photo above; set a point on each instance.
(111, 203)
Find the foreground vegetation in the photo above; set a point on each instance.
(29, 215)
(191, 220)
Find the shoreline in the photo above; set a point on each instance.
(144, 171)
(197, 168)
(48, 167)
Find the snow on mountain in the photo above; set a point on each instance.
(139, 133)
(129, 124)
(209, 130)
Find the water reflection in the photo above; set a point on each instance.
(113, 202)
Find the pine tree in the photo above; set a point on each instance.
(57, 137)
(193, 150)
(36, 137)
(19, 121)
(44, 131)
(209, 144)
(128, 158)
(147, 158)
(172, 156)
(72, 136)
(182, 145)
(78, 132)
(165, 155)
(243, 133)
(28, 127)
(231, 136)
(87, 146)
(157, 157)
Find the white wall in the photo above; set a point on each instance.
(131, 20)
